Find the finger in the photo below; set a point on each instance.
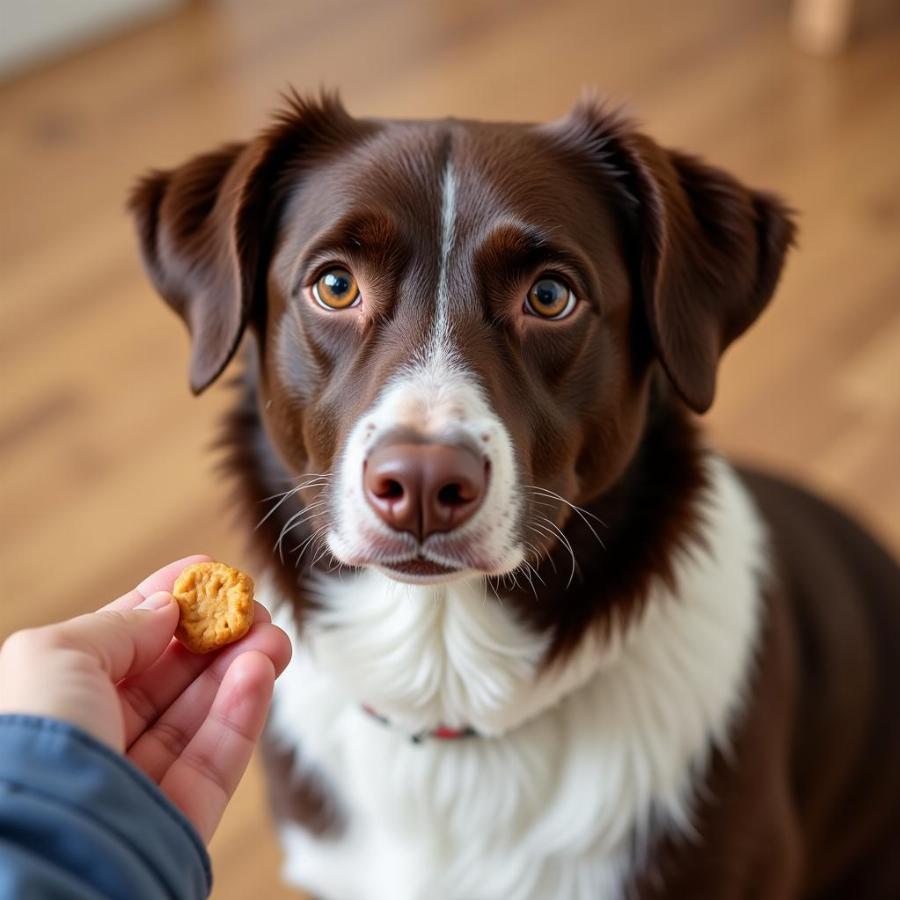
(161, 580)
(123, 642)
(203, 778)
(149, 694)
(157, 748)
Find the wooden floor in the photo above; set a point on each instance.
(104, 471)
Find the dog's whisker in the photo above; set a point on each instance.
(293, 522)
(309, 536)
(556, 531)
(532, 567)
(536, 574)
(546, 492)
(322, 478)
(277, 505)
(538, 557)
(536, 525)
(312, 481)
(301, 548)
(279, 494)
(584, 513)
(528, 572)
(578, 510)
(317, 475)
(284, 496)
(320, 548)
(298, 518)
(306, 520)
(533, 550)
(571, 550)
(322, 551)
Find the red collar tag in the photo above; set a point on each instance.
(441, 733)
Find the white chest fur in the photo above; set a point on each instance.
(581, 761)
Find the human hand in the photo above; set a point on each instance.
(189, 722)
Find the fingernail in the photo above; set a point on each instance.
(159, 600)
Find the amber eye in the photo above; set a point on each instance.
(336, 289)
(549, 299)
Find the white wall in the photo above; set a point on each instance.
(32, 31)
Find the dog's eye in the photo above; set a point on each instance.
(549, 299)
(336, 289)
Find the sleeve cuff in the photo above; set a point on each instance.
(107, 804)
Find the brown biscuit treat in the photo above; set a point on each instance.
(216, 606)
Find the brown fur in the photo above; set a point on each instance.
(672, 260)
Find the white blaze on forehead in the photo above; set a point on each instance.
(441, 335)
(435, 394)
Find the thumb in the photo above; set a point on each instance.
(124, 642)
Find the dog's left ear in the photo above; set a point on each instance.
(710, 249)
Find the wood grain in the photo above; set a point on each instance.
(104, 468)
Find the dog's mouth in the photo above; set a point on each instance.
(419, 567)
(441, 560)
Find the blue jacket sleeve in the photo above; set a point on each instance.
(79, 821)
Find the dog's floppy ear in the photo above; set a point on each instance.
(207, 228)
(184, 222)
(710, 250)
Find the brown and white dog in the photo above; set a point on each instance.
(548, 643)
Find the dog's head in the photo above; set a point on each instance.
(458, 322)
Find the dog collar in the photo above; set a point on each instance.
(441, 733)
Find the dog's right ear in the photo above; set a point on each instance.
(207, 228)
(183, 227)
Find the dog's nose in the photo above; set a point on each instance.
(424, 488)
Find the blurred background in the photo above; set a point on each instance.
(105, 468)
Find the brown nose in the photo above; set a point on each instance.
(424, 488)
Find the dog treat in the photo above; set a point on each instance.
(216, 606)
